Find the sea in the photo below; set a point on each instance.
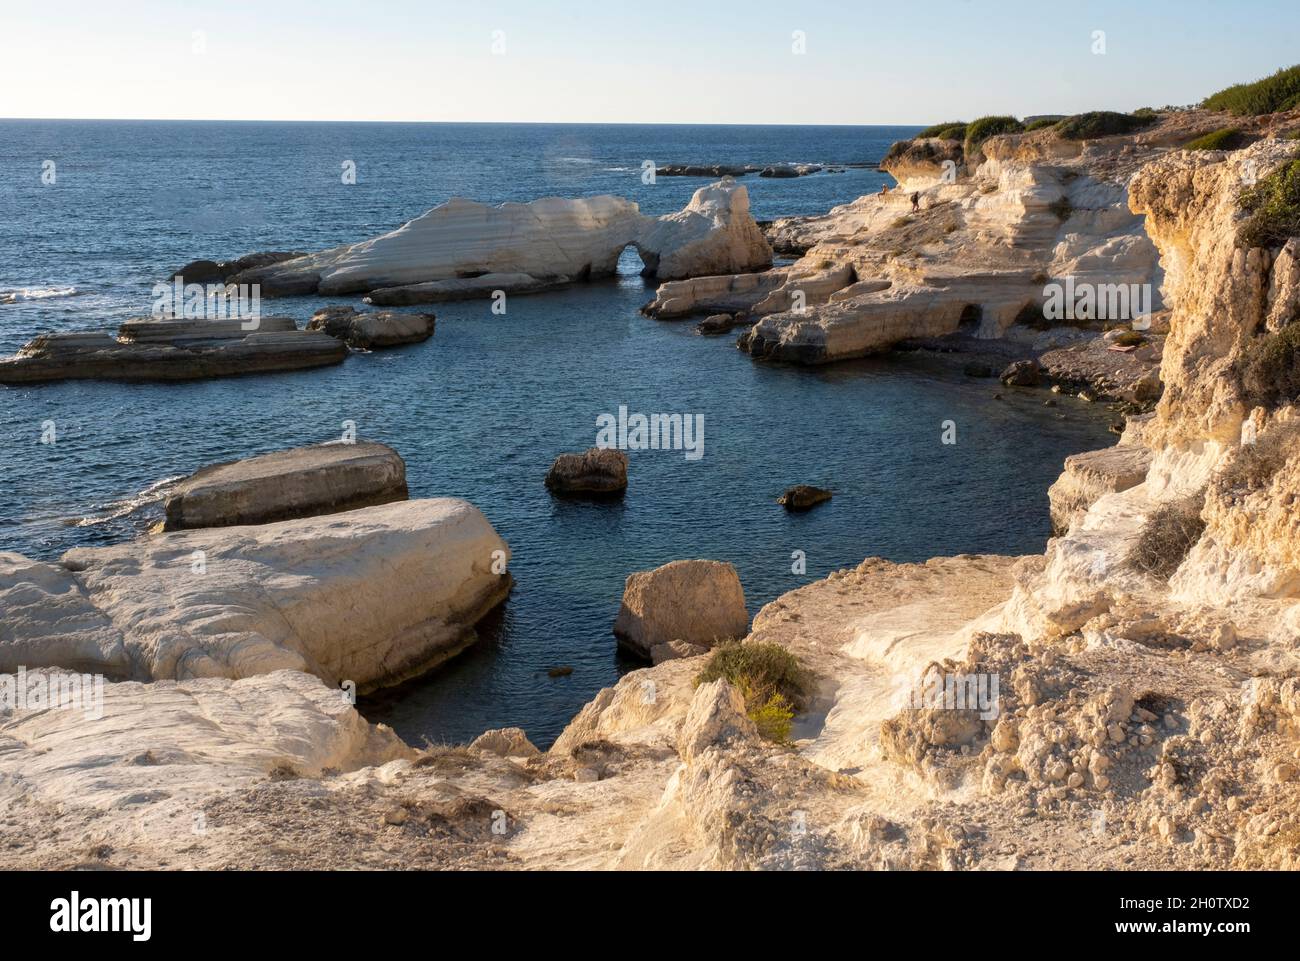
(94, 213)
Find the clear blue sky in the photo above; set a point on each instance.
(647, 61)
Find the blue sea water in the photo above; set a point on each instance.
(481, 410)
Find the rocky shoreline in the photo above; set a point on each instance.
(1149, 713)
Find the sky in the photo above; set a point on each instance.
(628, 61)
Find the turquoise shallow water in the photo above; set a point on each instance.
(480, 410)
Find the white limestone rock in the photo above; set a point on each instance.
(372, 596)
(544, 242)
(46, 620)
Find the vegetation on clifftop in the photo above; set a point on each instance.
(985, 127)
(771, 680)
(1229, 138)
(1279, 92)
(1274, 208)
(953, 130)
(1104, 123)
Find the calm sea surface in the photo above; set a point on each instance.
(480, 410)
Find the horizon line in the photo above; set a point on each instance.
(532, 123)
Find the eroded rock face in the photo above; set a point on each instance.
(172, 351)
(302, 482)
(699, 602)
(48, 621)
(547, 241)
(596, 471)
(373, 596)
(1090, 476)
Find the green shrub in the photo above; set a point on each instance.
(952, 130)
(1040, 123)
(1229, 138)
(1274, 207)
(985, 127)
(1279, 92)
(770, 678)
(1103, 123)
(1167, 537)
(1269, 368)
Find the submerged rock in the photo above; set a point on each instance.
(716, 324)
(697, 602)
(1022, 373)
(597, 471)
(219, 271)
(374, 329)
(803, 497)
(172, 350)
(302, 482)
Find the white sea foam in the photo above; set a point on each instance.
(129, 505)
(12, 295)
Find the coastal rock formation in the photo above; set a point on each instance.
(980, 254)
(171, 350)
(716, 324)
(1090, 476)
(548, 241)
(220, 271)
(698, 602)
(596, 471)
(803, 497)
(923, 163)
(1111, 717)
(158, 753)
(50, 622)
(373, 596)
(462, 288)
(372, 330)
(302, 482)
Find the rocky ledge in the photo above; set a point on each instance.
(303, 482)
(172, 350)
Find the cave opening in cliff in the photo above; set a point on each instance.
(971, 317)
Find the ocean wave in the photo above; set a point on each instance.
(114, 510)
(12, 295)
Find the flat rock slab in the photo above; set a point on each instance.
(302, 482)
(193, 355)
(373, 596)
(159, 750)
